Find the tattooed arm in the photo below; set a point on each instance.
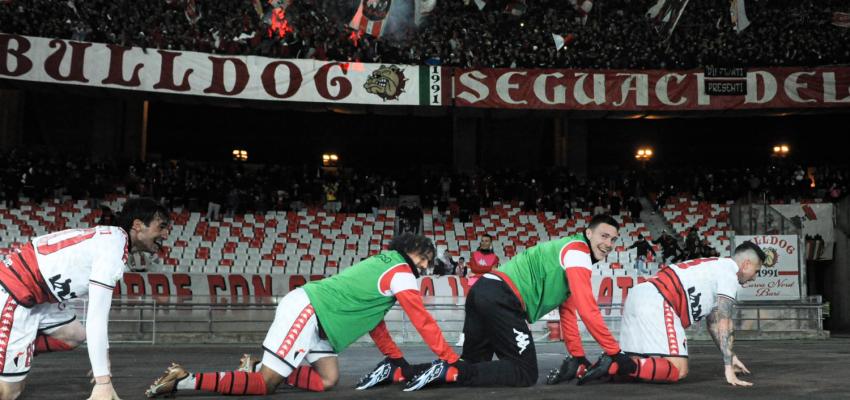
(722, 330)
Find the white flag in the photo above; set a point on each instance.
(653, 11)
(738, 12)
(562, 41)
(559, 41)
(665, 14)
(423, 9)
(481, 4)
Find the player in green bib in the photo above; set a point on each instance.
(554, 274)
(317, 321)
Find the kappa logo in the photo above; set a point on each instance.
(521, 341)
(63, 289)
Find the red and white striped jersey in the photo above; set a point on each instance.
(692, 287)
(60, 265)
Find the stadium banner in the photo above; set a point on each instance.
(245, 288)
(190, 73)
(649, 90)
(780, 276)
(818, 222)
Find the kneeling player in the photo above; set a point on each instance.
(554, 274)
(321, 319)
(658, 310)
(38, 278)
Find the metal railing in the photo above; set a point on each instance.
(125, 306)
(754, 216)
(149, 320)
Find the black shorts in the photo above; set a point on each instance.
(496, 324)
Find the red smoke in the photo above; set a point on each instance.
(279, 24)
(354, 37)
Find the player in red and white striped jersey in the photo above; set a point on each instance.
(658, 310)
(37, 279)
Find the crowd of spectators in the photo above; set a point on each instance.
(774, 183)
(239, 187)
(236, 187)
(555, 190)
(617, 33)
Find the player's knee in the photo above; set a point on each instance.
(271, 378)
(528, 377)
(74, 342)
(271, 386)
(683, 371)
(10, 392)
(330, 381)
(681, 365)
(9, 395)
(73, 334)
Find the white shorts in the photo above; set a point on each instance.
(294, 335)
(19, 327)
(650, 326)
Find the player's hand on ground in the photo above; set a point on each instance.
(607, 365)
(738, 366)
(104, 392)
(732, 379)
(571, 368)
(625, 364)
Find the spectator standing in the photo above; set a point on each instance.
(670, 249)
(691, 243)
(644, 249)
(635, 208)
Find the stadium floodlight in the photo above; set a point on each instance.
(240, 155)
(781, 150)
(329, 159)
(644, 154)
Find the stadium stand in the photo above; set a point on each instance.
(313, 242)
(617, 33)
(711, 221)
